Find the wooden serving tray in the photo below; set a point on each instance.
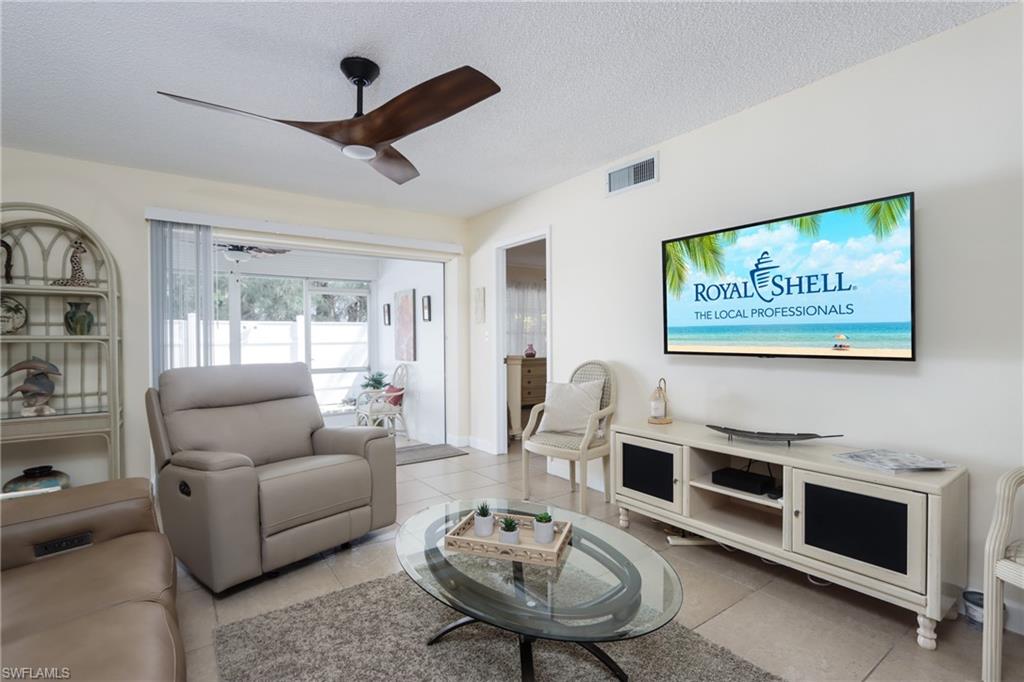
(461, 538)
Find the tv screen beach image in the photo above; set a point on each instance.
(836, 283)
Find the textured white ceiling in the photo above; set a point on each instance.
(582, 84)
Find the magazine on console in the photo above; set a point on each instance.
(892, 461)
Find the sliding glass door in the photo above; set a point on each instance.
(324, 323)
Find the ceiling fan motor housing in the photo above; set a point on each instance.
(360, 71)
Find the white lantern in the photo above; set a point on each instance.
(659, 404)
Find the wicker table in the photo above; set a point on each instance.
(610, 586)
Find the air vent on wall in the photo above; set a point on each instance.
(627, 177)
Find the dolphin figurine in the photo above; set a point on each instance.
(37, 388)
(34, 366)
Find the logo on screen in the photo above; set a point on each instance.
(767, 285)
(761, 277)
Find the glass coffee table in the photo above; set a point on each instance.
(609, 587)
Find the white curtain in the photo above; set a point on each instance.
(527, 323)
(182, 286)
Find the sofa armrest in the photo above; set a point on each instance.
(346, 440)
(105, 510)
(201, 460)
(379, 450)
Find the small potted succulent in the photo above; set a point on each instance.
(483, 521)
(543, 528)
(508, 531)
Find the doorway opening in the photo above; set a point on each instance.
(370, 329)
(524, 334)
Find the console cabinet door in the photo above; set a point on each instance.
(649, 471)
(870, 529)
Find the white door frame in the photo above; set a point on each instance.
(498, 326)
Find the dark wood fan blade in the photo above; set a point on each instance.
(391, 164)
(421, 106)
(332, 131)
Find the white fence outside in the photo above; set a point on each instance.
(333, 345)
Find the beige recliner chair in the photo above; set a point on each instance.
(250, 479)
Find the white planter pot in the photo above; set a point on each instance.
(483, 526)
(509, 538)
(544, 533)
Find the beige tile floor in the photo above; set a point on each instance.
(767, 614)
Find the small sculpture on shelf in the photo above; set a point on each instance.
(8, 262)
(78, 321)
(37, 388)
(77, 278)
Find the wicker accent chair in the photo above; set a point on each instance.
(376, 407)
(1004, 563)
(575, 447)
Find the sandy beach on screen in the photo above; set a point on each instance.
(784, 350)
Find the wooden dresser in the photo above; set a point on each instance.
(527, 378)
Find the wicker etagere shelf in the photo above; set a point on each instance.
(87, 397)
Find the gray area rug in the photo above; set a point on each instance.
(378, 631)
(411, 454)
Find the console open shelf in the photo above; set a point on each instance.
(704, 483)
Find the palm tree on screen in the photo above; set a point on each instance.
(706, 253)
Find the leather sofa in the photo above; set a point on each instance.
(88, 586)
(251, 480)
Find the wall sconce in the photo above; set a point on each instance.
(425, 307)
(387, 314)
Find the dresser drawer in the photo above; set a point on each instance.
(533, 382)
(535, 370)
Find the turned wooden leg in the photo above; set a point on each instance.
(926, 632)
(583, 486)
(607, 462)
(623, 518)
(992, 635)
(526, 474)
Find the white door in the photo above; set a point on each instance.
(870, 529)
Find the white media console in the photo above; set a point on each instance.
(897, 537)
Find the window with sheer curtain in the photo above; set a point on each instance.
(527, 323)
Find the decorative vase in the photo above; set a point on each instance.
(530, 351)
(38, 478)
(509, 537)
(483, 526)
(78, 320)
(544, 533)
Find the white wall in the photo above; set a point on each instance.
(113, 199)
(424, 397)
(941, 117)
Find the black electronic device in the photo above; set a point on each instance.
(747, 481)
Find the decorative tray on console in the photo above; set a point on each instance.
(769, 436)
(461, 538)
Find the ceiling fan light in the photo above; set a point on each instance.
(359, 152)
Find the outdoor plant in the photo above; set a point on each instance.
(543, 517)
(509, 524)
(483, 510)
(376, 380)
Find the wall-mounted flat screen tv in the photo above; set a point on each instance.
(835, 283)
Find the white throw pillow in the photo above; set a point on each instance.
(567, 407)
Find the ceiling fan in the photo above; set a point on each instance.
(368, 137)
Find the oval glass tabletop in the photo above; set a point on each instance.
(610, 585)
